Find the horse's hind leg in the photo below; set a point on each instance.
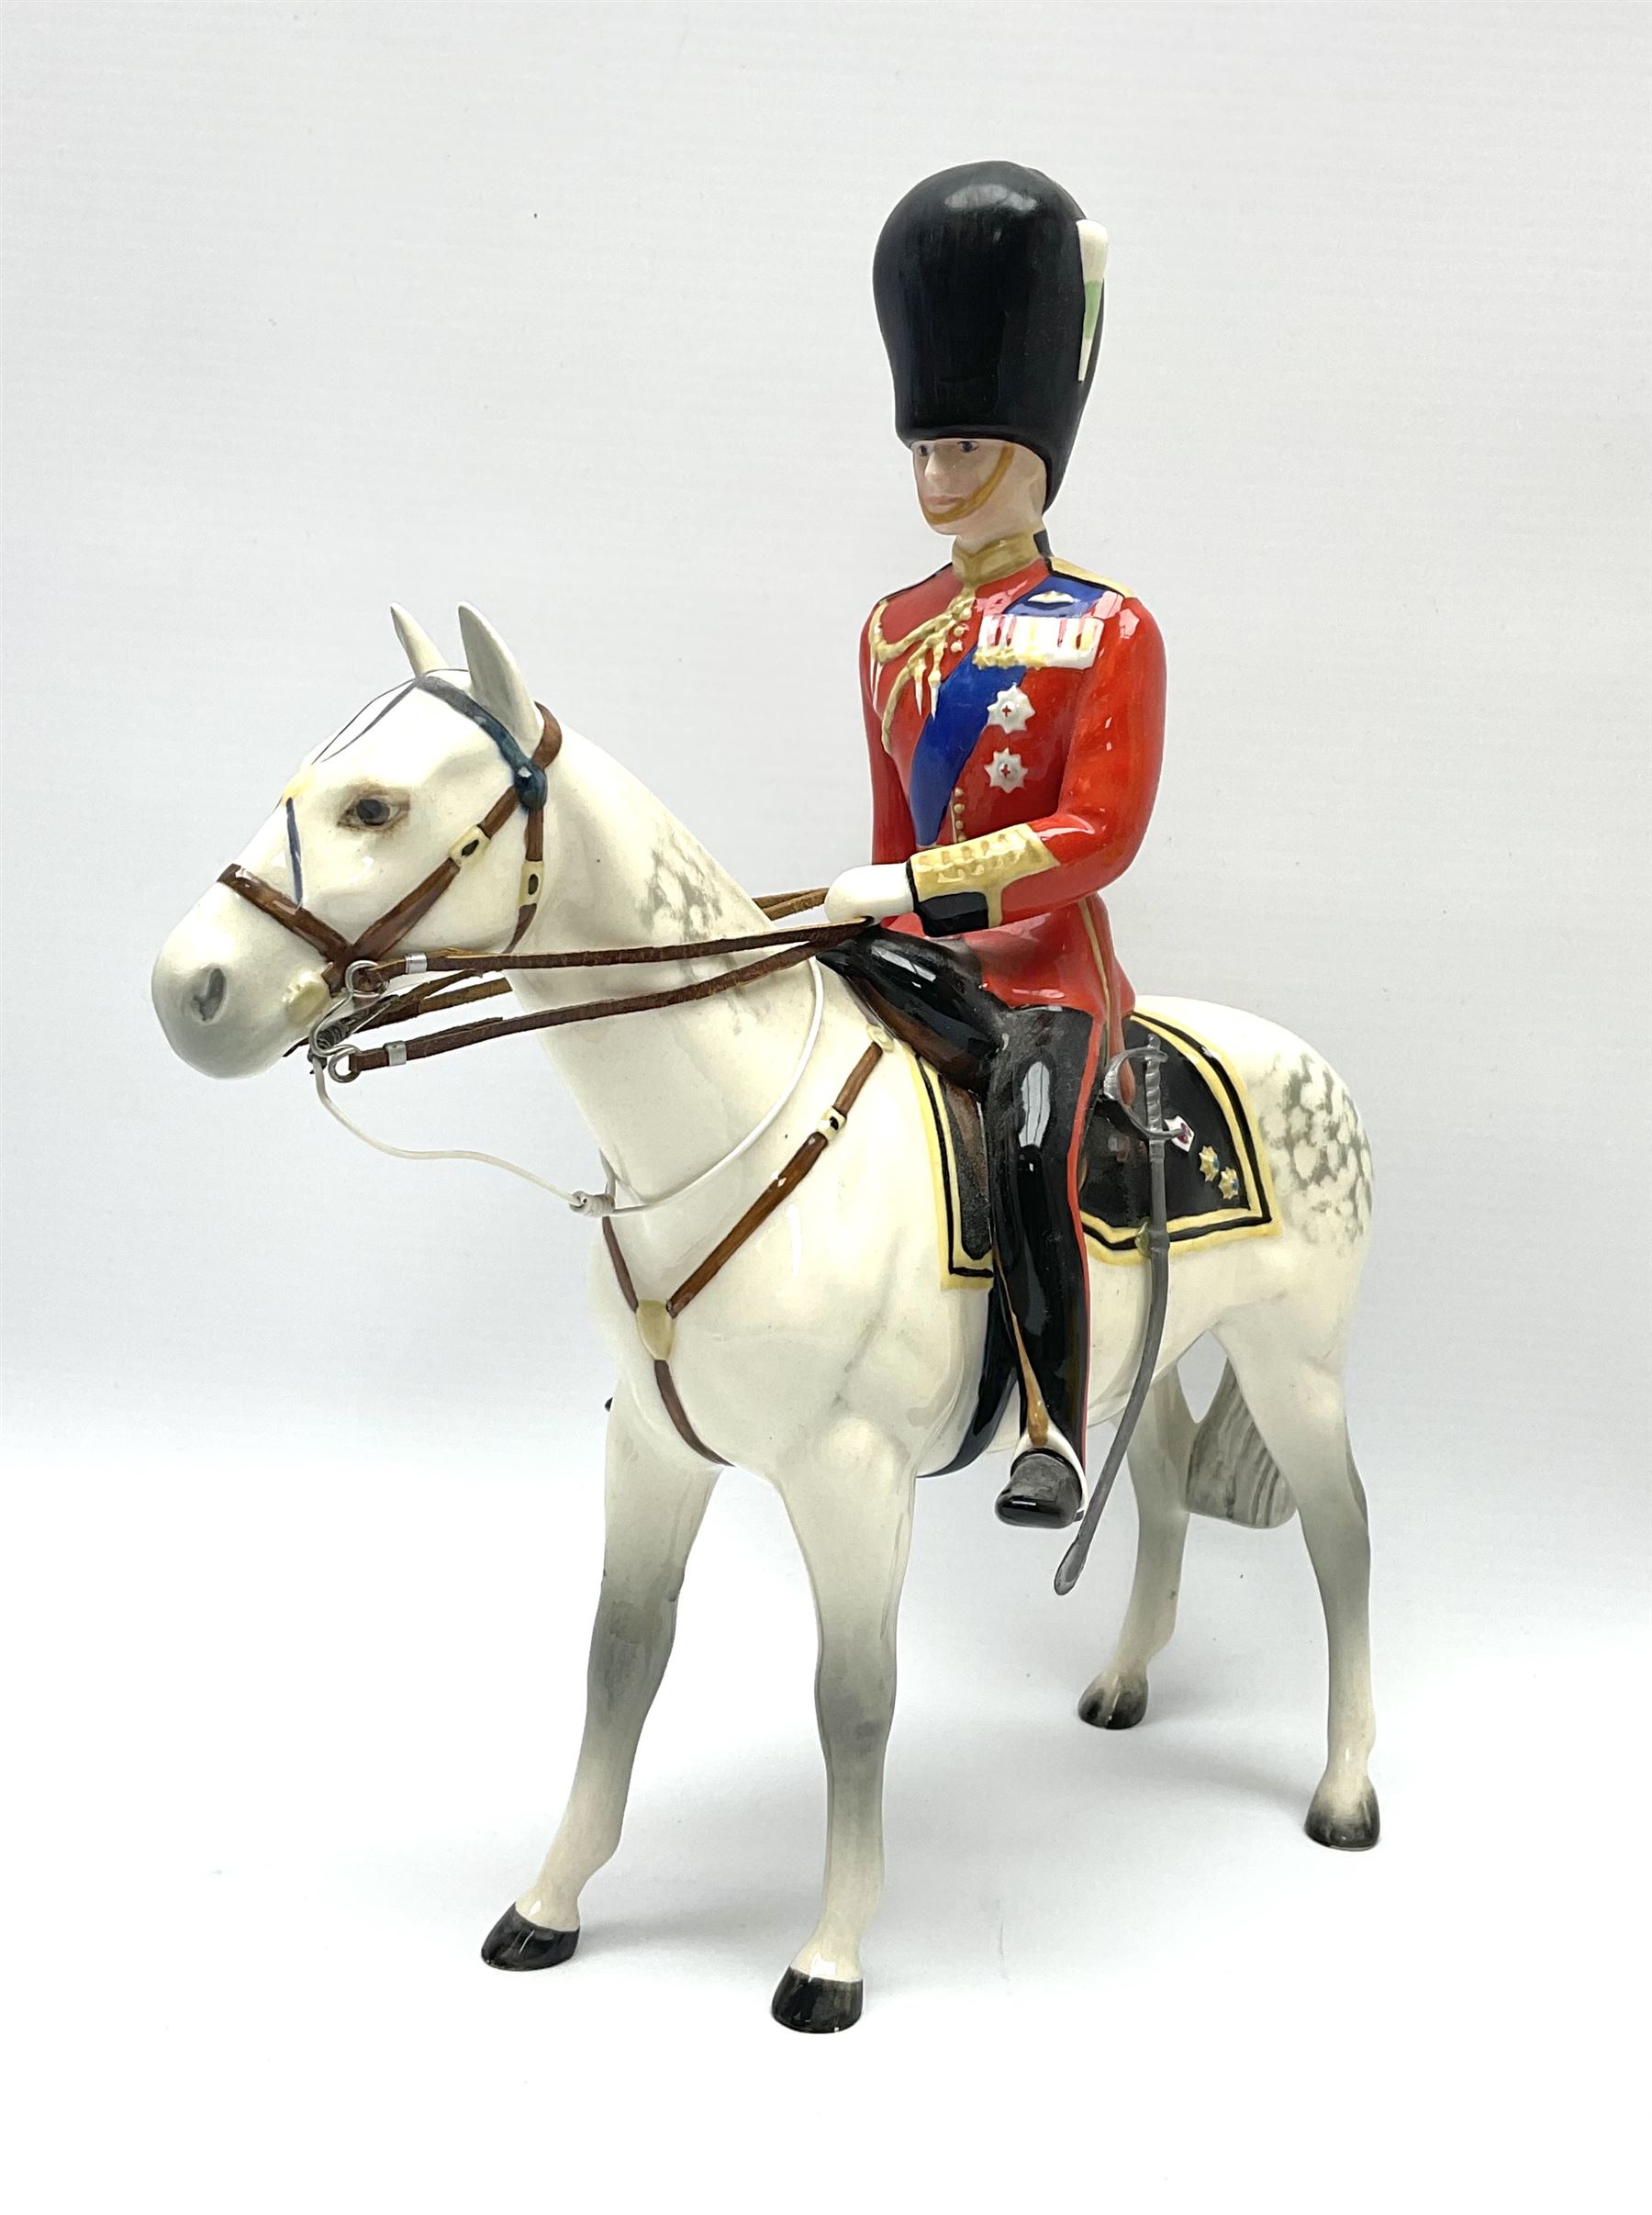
(1158, 1474)
(655, 1496)
(1297, 1405)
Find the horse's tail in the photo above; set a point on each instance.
(1231, 1474)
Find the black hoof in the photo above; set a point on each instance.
(1347, 1833)
(1121, 1710)
(515, 1943)
(816, 2003)
(1044, 1492)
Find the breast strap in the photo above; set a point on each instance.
(656, 1319)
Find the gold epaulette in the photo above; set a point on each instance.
(1060, 566)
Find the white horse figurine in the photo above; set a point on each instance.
(825, 1357)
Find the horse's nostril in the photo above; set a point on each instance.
(209, 995)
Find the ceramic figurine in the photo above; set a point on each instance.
(1014, 708)
(1013, 1196)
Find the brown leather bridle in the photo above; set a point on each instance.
(526, 791)
(360, 970)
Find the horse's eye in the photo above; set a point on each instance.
(372, 811)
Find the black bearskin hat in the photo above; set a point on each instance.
(988, 286)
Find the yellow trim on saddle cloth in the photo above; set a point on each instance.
(1254, 1213)
(985, 865)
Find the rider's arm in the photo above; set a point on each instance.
(881, 887)
(1107, 792)
(893, 838)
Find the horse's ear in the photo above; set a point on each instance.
(420, 650)
(496, 681)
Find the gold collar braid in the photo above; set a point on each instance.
(926, 647)
(1002, 557)
(928, 642)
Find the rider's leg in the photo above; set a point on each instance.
(1036, 1069)
(1039, 1097)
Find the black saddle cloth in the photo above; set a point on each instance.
(1216, 1188)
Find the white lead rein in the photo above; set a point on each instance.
(603, 1203)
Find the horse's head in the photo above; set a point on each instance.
(418, 826)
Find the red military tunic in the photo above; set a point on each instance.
(1052, 801)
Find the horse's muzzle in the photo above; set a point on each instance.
(229, 1010)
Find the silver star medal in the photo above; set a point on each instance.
(1011, 712)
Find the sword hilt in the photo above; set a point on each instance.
(1149, 1060)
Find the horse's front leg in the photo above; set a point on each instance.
(656, 1496)
(852, 1509)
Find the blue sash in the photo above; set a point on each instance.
(954, 725)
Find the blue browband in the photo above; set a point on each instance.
(527, 775)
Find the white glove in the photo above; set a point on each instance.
(875, 891)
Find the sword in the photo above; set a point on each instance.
(1150, 1058)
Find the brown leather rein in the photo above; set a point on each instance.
(363, 967)
(346, 1061)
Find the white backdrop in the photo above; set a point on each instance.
(566, 311)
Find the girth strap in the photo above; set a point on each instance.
(656, 1319)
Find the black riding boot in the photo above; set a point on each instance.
(1036, 1070)
(1039, 1097)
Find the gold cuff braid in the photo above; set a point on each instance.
(984, 866)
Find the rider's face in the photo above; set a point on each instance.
(977, 489)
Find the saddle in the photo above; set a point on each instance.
(1217, 1188)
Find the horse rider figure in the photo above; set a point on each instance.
(1015, 710)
